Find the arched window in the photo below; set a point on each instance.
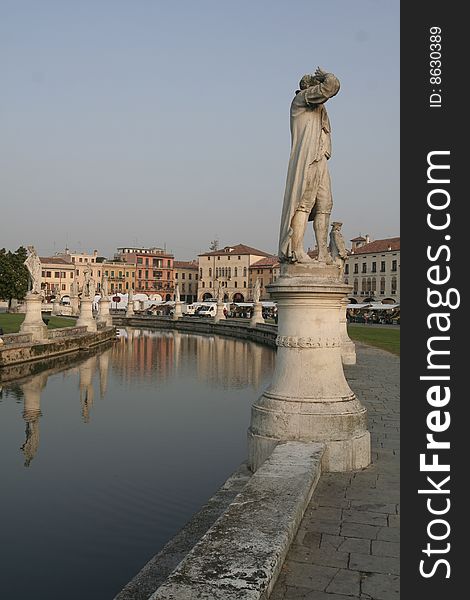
(235, 271)
(210, 272)
(382, 285)
(374, 284)
(364, 285)
(394, 285)
(244, 271)
(369, 284)
(355, 286)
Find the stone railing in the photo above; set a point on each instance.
(66, 332)
(17, 338)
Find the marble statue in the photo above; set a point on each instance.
(308, 190)
(220, 292)
(337, 247)
(104, 287)
(89, 285)
(177, 293)
(257, 291)
(33, 264)
(74, 288)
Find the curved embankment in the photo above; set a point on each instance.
(20, 356)
(235, 546)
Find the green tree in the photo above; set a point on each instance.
(13, 274)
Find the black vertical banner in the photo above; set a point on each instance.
(434, 329)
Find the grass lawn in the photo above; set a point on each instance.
(381, 337)
(11, 323)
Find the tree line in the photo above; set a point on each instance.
(14, 275)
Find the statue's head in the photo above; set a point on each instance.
(307, 81)
(336, 225)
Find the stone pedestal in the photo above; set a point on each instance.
(130, 309)
(309, 399)
(33, 322)
(104, 316)
(56, 307)
(86, 314)
(219, 315)
(348, 349)
(74, 305)
(178, 313)
(257, 316)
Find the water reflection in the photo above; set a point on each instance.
(123, 445)
(153, 356)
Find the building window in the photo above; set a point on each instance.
(210, 272)
(235, 271)
(244, 284)
(356, 269)
(183, 287)
(346, 269)
(140, 274)
(244, 273)
(355, 286)
(169, 264)
(382, 285)
(43, 273)
(382, 266)
(374, 284)
(190, 275)
(374, 267)
(394, 285)
(218, 258)
(239, 257)
(210, 284)
(394, 266)
(235, 284)
(71, 274)
(364, 286)
(48, 273)
(364, 267)
(168, 274)
(139, 261)
(346, 281)
(63, 286)
(56, 274)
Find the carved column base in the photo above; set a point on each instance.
(348, 348)
(309, 398)
(86, 315)
(257, 316)
(33, 322)
(178, 311)
(219, 315)
(74, 305)
(104, 316)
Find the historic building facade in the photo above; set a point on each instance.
(229, 266)
(373, 270)
(186, 276)
(57, 276)
(154, 270)
(267, 271)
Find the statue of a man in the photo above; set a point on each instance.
(89, 285)
(308, 189)
(104, 287)
(177, 293)
(257, 291)
(337, 247)
(220, 291)
(33, 264)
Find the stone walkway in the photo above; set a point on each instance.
(347, 545)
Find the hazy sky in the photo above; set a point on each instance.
(148, 122)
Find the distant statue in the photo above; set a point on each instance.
(220, 291)
(89, 285)
(33, 264)
(177, 293)
(257, 291)
(104, 287)
(74, 288)
(308, 190)
(337, 247)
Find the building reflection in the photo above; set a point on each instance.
(145, 355)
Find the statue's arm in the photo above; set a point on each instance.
(317, 94)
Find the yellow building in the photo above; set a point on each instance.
(57, 275)
(267, 271)
(81, 260)
(186, 276)
(121, 276)
(229, 266)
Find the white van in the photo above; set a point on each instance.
(210, 310)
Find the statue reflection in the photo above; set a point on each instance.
(31, 414)
(86, 371)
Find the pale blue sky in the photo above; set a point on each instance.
(154, 122)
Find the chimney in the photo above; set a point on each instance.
(367, 238)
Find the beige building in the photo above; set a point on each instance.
(267, 271)
(121, 276)
(187, 275)
(81, 260)
(57, 275)
(230, 266)
(373, 269)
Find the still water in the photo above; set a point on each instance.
(103, 459)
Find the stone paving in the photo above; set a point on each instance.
(347, 545)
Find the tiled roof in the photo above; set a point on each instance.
(185, 264)
(268, 261)
(237, 249)
(359, 238)
(54, 260)
(387, 245)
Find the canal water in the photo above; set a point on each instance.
(104, 459)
